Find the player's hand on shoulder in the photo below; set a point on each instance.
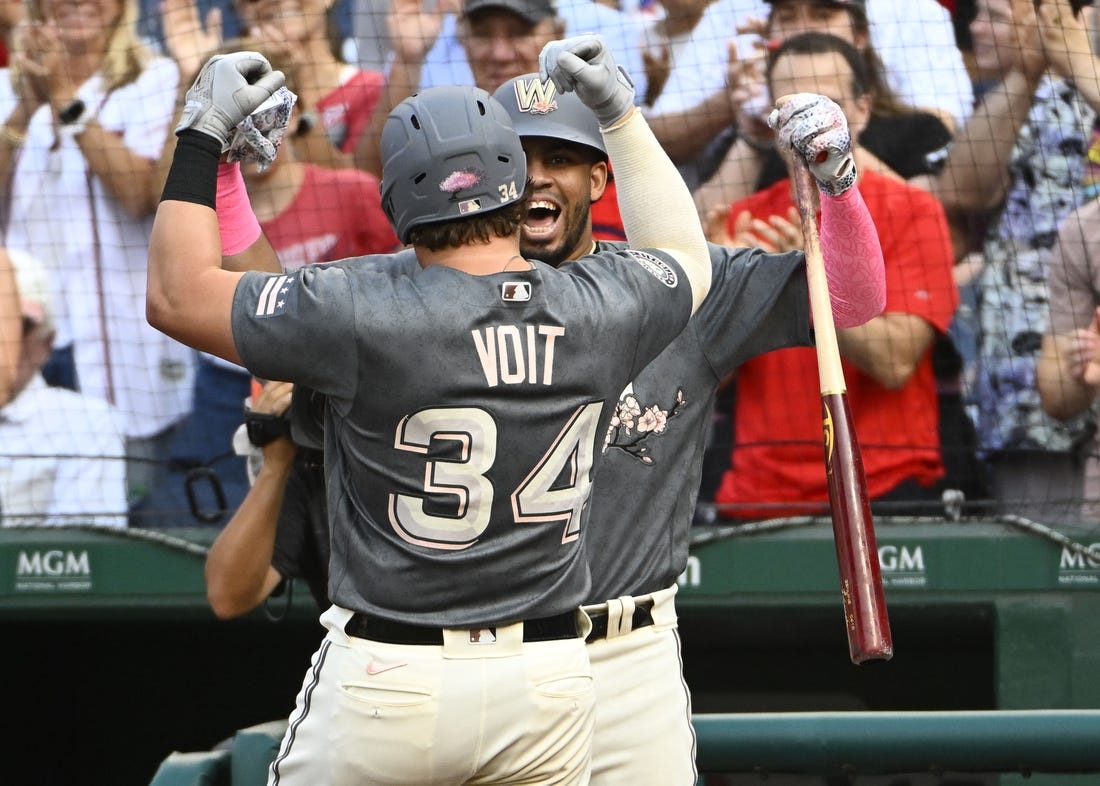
(227, 90)
(814, 127)
(584, 64)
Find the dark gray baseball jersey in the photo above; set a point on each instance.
(464, 416)
(648, 482)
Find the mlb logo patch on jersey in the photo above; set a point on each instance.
(275, 296)
(515, 291)
(659, 268)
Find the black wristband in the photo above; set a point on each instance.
(263, 428)
(72, 112)
(193, 176)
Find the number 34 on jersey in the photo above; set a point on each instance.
(540, 498)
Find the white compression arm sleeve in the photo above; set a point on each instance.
(655, 203)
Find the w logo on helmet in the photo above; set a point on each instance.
(535, 96)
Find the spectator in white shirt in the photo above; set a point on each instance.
(62, 454)
(82, 124)
(915, 40)
(710, 85)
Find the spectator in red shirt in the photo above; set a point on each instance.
(777, 465)
(336, 100)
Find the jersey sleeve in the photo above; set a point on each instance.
(757, 302)
(298, 327)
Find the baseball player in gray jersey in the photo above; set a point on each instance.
(465, 412)
(646, 487)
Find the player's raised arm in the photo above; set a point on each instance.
(239, 571)
(642, 168)
(814, 127)
(189, 295)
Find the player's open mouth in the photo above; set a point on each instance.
(542, 218)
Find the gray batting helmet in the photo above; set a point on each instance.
(538, 109)
(447, 153)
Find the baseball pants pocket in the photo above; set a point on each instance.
(393, 676)
(395, 696)
(385, 717)
(560, 670)
(566, 687)
(540, 716)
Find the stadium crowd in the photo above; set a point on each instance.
(978, 151)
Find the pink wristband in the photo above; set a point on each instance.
(237, 223)
(852, 254)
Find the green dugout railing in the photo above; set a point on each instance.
(997, 653)
(805, 743)
(864, 743)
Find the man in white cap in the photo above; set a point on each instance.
(62, 454)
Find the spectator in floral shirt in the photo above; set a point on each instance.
(1033, 459)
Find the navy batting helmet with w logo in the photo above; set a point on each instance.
(538, 109)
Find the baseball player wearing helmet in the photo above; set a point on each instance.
(465, 412)
(646, 487)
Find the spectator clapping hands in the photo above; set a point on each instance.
(777, 234)
(189, 39)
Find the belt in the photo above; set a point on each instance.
(641, 618)
(561, 626)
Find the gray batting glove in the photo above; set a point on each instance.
(815, 127)
(226, 91)
(584, 64)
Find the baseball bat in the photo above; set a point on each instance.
(861, 590)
